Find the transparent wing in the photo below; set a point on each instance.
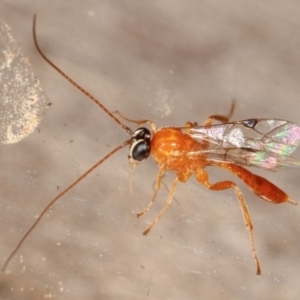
(264, 143)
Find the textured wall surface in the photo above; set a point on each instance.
(171, 62)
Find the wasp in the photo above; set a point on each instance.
(187, 151)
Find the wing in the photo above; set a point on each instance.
(264, 143)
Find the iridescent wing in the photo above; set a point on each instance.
(264, 143)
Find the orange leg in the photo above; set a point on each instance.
(167, 205)
(202, 177)
(190, 124)
(259, 185)
(208, 122)
(220, 118)
(157, 187)
(137, 122)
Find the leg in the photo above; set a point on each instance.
(157, 187)
(220, 118)
(167, 205)
(202, 177)
(137, 122)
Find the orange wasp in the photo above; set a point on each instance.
(187, 151)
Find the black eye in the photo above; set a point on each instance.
(142, 134)
(140, 147)
(139, 150)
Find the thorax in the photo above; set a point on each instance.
(177, 150)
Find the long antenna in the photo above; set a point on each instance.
(58, 197)
(127, 129)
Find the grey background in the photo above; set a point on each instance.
(172, 62)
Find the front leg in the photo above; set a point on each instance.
(160, 174)
(167, 205)
(138, 122)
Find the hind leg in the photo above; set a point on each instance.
(202, 177)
